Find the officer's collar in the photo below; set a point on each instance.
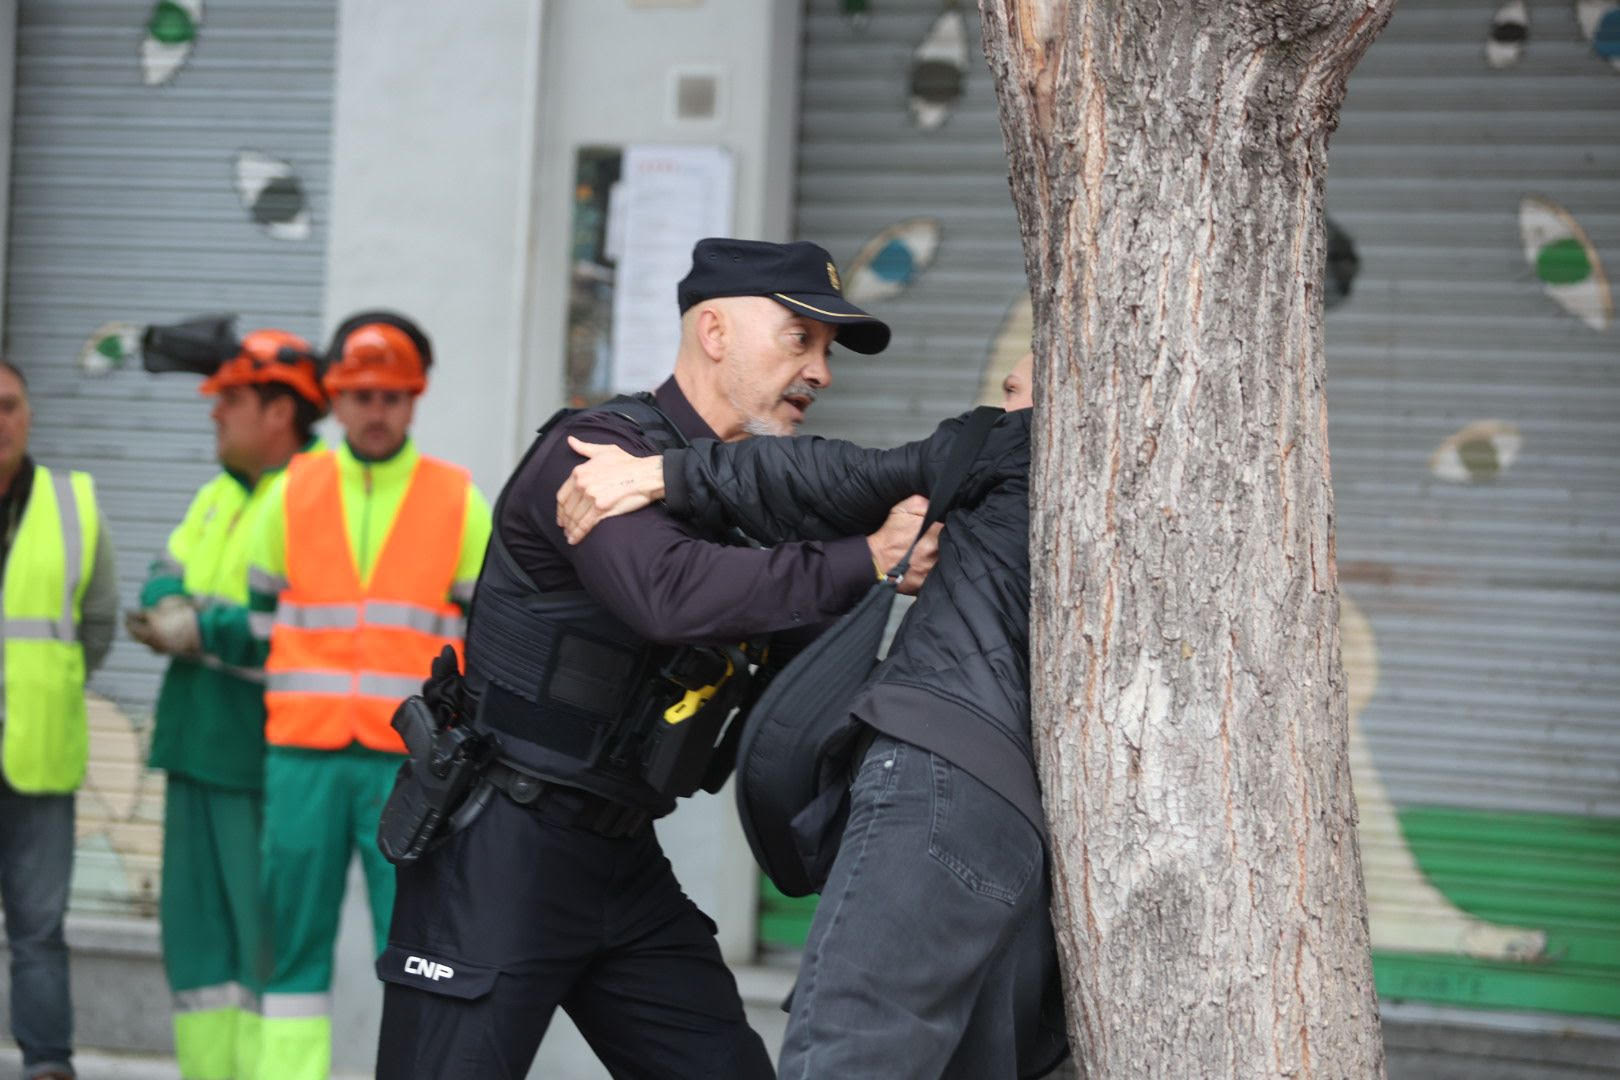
(680, 412)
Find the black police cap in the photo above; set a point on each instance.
(800, 276)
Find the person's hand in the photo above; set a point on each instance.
(139, 627)
(608, 483)
(922, 560)
(169, 627)
(889, 543)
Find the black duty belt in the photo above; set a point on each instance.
(565, 804)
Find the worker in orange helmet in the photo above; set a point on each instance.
(363, 567)
(209, 729)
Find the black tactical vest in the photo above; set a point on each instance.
(561, 683)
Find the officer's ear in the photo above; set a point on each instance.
(711, 328)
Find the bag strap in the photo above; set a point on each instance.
(964, 449)
(642, 410)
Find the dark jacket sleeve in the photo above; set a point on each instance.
(661, 576)
(806, 487)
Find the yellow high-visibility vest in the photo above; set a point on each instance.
(47, 740)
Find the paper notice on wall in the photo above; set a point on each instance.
(668, 198)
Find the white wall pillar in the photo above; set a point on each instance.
(432, 189)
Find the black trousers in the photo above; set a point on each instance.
(522, 913)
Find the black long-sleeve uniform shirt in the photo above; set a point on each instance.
(660, 576)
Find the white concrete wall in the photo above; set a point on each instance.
(606, 80)
(432, 187)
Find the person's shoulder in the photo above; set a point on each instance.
(603, 423)
(275, 490)
(1008, 440)
(221, 485)
(220, 494)
(454, 473)
(539, 476)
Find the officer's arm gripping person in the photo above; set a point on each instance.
(557, 893)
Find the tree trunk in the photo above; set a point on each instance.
(1167, 161)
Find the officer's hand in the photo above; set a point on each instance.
(610, 482)
(889, 543)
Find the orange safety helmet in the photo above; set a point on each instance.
(378, 350)
(271, 356)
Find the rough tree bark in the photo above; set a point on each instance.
(1167, 162)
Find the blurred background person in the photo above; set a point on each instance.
(59, 595)
(364, 562)
(209, 722)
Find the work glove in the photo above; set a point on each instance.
(169, 627)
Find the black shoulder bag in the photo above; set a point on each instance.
(793, 763)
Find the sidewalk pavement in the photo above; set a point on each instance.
(564, 1056)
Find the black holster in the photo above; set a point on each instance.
(434, 794)
(687, 751)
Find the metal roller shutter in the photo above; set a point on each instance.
(133, 203)
(1472, 390)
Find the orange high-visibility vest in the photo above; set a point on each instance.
(342, 654)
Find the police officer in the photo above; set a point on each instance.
(558, 894)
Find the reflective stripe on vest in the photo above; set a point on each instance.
(343, 654)
(46, 737)
(381, 613)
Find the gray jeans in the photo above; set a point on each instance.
(913, 963)
(36, 861)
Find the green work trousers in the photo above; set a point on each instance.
(213, 927)
(320, 807)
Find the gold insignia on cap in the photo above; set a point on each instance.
(832, 276)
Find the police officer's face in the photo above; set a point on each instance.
(15, 418)
(374, 421)
(775, 364)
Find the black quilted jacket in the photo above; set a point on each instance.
(956, 680)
